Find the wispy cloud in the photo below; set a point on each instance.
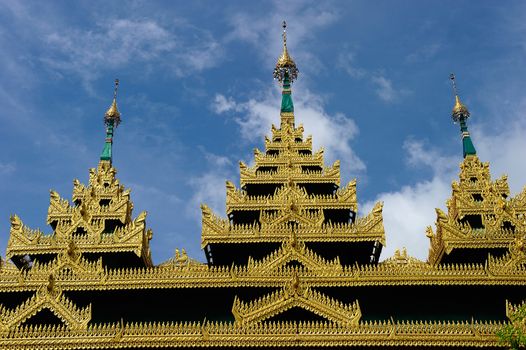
(386, 91)
(210, 187)
(115, 43)
(421, 154)
(263, 30)
(383, 86)
(118, 42)
(7, 168)
(424, 53)
(347, 62)
(223, 104)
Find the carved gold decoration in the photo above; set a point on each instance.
(50, 297)
(276, 228)
(502, 219)
(294, 294)
(84, 223)
(272, 334)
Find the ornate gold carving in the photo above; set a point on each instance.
(293, 250)
(276, 228)
(50, 297)
(85, 223)
(294, 294)
(272, 334)
(344, 198)
(475, 196)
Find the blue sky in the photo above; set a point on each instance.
(197, 96)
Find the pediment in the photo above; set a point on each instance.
(297, 313)
(293, 255)
(295, 296)
(45, 316)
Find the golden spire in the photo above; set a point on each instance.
(113, 113)
(459, 110)
(285, 60)
(285, 63)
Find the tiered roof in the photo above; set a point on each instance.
(290, 192)
(99, 221)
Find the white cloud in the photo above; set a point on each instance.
(222, 104)
(110, 43)
(409, 210)
(419, 153)
(210, 187)
(219, 161)
(505, 151)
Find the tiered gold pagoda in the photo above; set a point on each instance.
(292, 265)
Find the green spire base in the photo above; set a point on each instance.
(106, 152)
(467, 145)
(286, 96)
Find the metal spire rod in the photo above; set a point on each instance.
(116, 88)
(454, 83)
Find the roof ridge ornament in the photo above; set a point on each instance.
(112, 119)
(460, 114)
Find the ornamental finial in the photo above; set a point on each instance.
(460, 114)
(112, 119)
(285, 64)
(112, 114)
(460, 111)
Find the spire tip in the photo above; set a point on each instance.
(285, 65)
(113, 114)
(460, 111)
